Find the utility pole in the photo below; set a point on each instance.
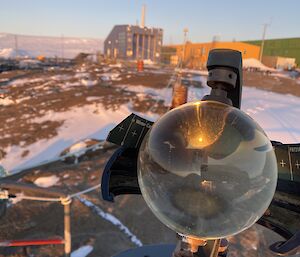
(16, 47)
(143, 17)
(263, 41)
(62, 48)
(185, 31)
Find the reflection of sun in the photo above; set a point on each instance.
(206, 126)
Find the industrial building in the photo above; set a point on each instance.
(278, 62)
(195, 55)
(134, 42)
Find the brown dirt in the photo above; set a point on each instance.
(271, 83)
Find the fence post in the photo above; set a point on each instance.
(67, 227)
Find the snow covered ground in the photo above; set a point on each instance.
(277, 114)
(89, 121)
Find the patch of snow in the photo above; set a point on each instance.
(197, 78)
(254, 63)
(68, 84)
(148, 62)
(8, 53)
(199, 72)
(88, 82)
(18, 82)
(83, 251)
(6, 101)
(4, 80)
(155, 93)
(60, 77)
(77, 147)
(46, 181)
(82, 75)
(110, 76)
(117, 65)
(93, 98)
(20, 100)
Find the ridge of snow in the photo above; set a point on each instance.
(112, 219)
(82, 251)
(254, 63)
(46, 181)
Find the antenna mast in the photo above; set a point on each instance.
(143, 18)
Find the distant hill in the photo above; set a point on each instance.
(33, 46)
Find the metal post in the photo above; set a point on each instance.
(143, 46)
(262, 43)
(185, 31)
(16, 47)
(154, 48)
(62, 48)
(143, 16)
(149, 47)
(137, 46)
(67, 228)
(180, 92)
(199, 247)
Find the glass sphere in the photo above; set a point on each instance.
(207, 170)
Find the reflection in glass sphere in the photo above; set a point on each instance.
(207, 170)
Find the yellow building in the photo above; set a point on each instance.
(194, 55)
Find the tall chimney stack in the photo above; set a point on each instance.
(143, 16)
